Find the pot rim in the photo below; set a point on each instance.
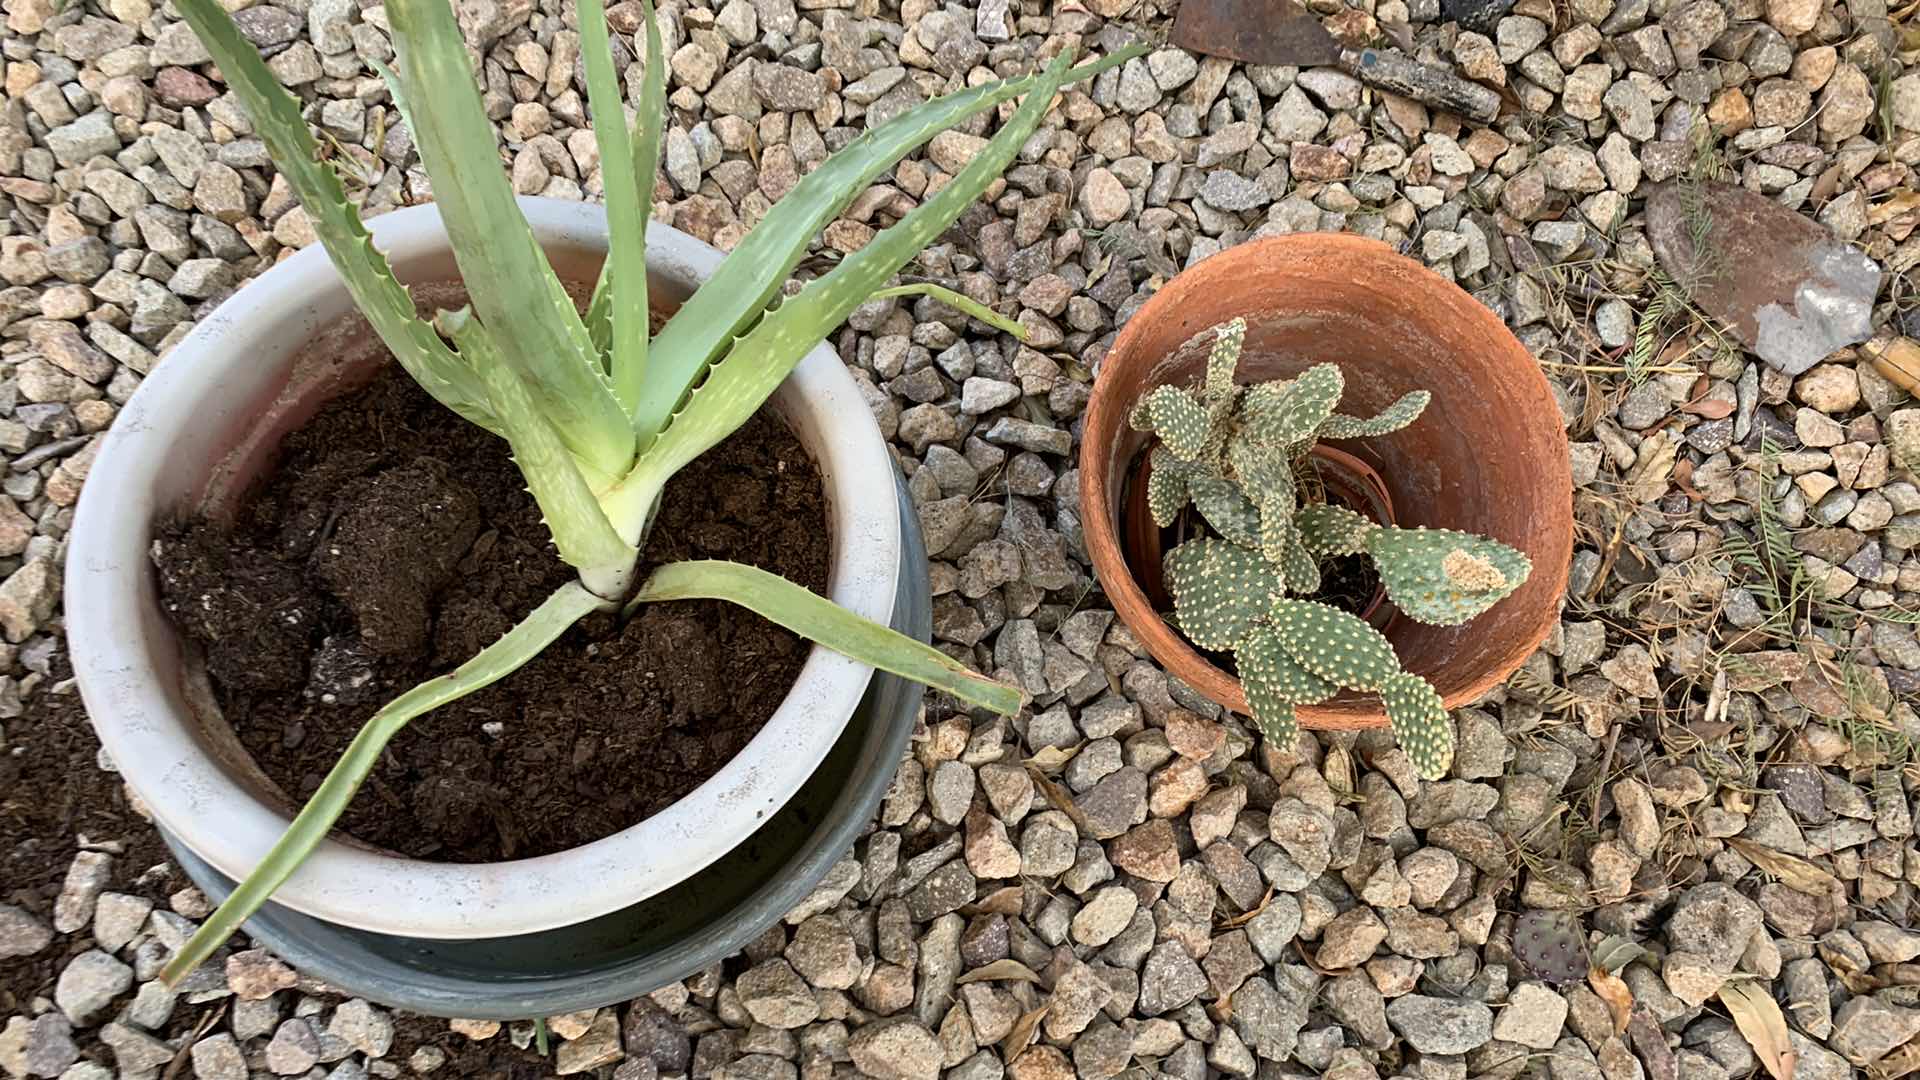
(122, 646)
(1105, 410)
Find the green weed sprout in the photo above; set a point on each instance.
(1233, 452)
(598, 414)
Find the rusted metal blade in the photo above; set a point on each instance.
(1790, 290)
(1270, 32)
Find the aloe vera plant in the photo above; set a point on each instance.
(1235, 453)
(598, 413)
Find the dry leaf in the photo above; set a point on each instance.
(1058, 798)
(1902, 1062)
(1053, 758)
(1006, 900)
(1649, 478)
(1794, 871)
(1615, 952)
(1612, 990)
(1683, 479)
(999, 969)
(1899, 203)
(1709, 408)
(1758, 1017)
(1338, 771)
(1246, 917)
(1024, 1030)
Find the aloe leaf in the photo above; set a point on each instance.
(580, 529)
(513, 289)
(756, 363)
(626, 265)
(819, 619)
(649, 125)
(973, 308)
(388, 307)
(521, 644)
(752, 275)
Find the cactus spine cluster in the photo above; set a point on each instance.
(1234, 453)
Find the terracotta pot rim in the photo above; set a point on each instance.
(1257, 259)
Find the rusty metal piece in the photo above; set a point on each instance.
(1269, 32)
(1434, 86)
(1790, 290)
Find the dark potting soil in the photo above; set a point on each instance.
(394, 540)
(1347, 582)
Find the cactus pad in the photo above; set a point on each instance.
(1419, 723)
(1174, 414)
(1293, 411)
(1221, 391)
(1332, 530)
(1263, 470)
(1220, 590)
(1169, 485)
(1274, 685)
(1234, 452)
(1552, 946)
(1228, 511)
(1391, 419)
(1444, 577)
(1266, 667)
(1334, 645)
(1276, 532)
(1298, 568)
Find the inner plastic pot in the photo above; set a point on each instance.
(638, 949)
(1488, 456)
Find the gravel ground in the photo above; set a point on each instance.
(1706, 774)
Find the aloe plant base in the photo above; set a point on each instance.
(203, 424)
(641, 948)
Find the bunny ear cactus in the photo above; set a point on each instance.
(1235, 453)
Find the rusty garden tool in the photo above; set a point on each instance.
(1270, 32)
(1789, 289)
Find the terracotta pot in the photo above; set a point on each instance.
(1489, 455)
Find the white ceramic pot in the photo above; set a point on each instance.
(206, 422)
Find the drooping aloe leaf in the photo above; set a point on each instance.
(626, 265)
(512, 287)
(580, 529)
(737, 295)
(819, 619)
(388, 307)
(967, 304)
(757, 362)
(521, 644)
(649, 125)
